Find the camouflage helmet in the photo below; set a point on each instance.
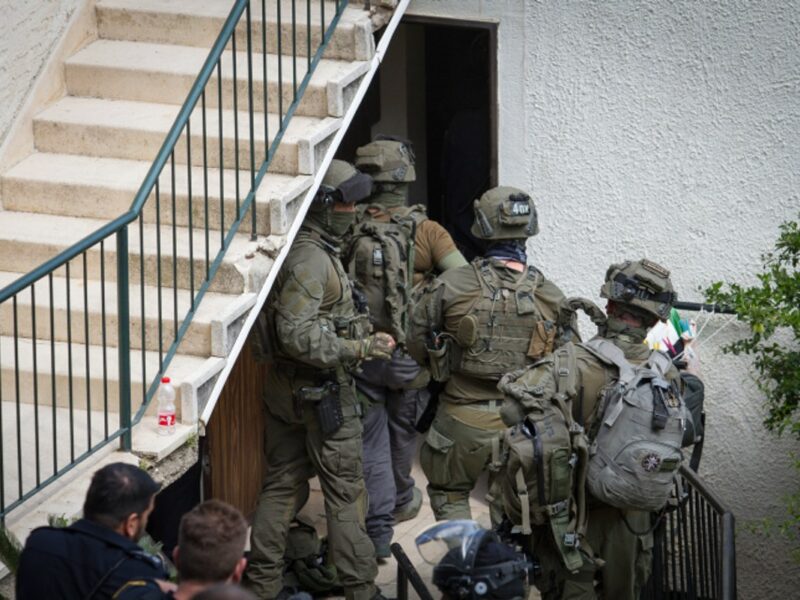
(342, 183)
(641, 284)
(387, 159)
(505, 213)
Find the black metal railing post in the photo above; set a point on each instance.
(124, 342)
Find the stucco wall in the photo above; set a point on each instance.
(30, 31)
(669, 130)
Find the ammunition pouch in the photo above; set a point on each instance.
(327, 406)
(441, 354)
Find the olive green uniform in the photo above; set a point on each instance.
(513, 317)
(317, 331)
(627, 556)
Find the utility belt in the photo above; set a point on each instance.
(320, 389)
(296, 371)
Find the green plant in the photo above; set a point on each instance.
(771, 308)
(59, 520)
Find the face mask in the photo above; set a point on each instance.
(616, 327)
(340, 222)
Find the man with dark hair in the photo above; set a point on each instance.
(210, 550)
(97, 555)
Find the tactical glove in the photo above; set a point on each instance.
(378, 345)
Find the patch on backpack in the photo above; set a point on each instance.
(651, 462)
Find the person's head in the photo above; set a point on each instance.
(483, 568)
(225, 591)
(333, 207)
(389, 160)
(639, 294)
(121, 497)
(505, 213)
(211, 541)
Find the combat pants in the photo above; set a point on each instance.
(295, 452)
(390, 438)
(378, 475)
(627, 556)
(463, 441)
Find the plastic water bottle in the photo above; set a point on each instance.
(166, 407)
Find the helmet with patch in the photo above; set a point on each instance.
(387, 160)
(641, 284)
(505, 213)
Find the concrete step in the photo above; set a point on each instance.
(63, 497)
(28, 240)
(136, 130)
(103, 188)
(198, 23)
(145, 72)
(77, 376)
(205, 336)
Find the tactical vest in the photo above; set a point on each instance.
(637, 432)
(505, 328)
(380, 260)
(544, 472)
(348, 322)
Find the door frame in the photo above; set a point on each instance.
(491, 27)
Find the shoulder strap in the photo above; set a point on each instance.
(659, 361)
(610, 354)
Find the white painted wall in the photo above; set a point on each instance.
(28, 34)
(669, 130)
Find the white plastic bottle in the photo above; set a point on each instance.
(166, 407)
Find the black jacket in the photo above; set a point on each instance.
(81, 562)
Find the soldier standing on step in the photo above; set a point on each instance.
(639, 294)
(313, 418)
(472, 325)
(393, 247)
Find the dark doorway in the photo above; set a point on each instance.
(436, 86)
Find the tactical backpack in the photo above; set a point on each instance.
(637, 433)
(546, 458)
(380, 260)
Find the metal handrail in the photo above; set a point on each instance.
(165, 159)
(694, 552)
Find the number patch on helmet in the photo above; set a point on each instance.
(520, 208)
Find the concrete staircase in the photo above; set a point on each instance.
(93, 147)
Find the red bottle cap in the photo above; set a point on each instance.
(165, 380)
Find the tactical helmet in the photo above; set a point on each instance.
(342, 183)
(476, 563)
(387, 159)
(641, 284)
(505, 213)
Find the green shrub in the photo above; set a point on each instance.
(771, 308)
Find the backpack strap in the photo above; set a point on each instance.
(611, 354)
(524, 502)
(569, 523)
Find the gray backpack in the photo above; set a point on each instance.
(636, 438)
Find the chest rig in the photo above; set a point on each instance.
(505, 328)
